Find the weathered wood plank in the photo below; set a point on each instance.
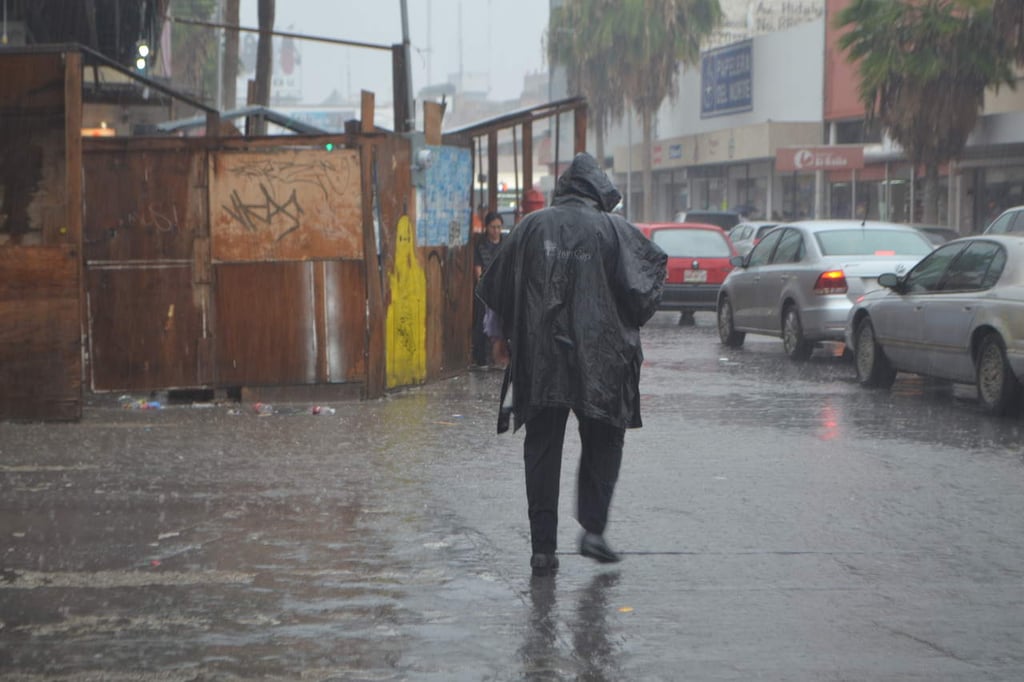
(40, 334)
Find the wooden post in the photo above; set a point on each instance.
(492, 170)
(376, 314)
(70, 232)
(580, 130)
(399, 88)
(367, 112)
(432, 113)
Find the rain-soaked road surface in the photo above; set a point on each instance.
(778, 523)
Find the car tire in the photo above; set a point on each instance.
(998, 389)
(726, 327)
(797, 347)
(686, 318)
(873, 367)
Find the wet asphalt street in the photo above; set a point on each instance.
(778, 523)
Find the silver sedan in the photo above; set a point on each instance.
(958, 315)
(800, 281)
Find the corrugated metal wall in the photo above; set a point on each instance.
(226, 263)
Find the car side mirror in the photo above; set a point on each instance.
(738, 261)
(889, 280)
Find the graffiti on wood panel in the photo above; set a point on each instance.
(290, 205)
(407, 313)
(443, 213)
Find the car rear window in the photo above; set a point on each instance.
(872, 243)
(722, 220)
(692, 243)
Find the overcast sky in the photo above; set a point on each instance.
(499, 40)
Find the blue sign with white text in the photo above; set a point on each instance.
(727, 80)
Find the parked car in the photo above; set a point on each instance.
(724, 219)
(799, 282)
(746, 235)
(698, 261)
(938, 234)
(957, 315)
(1010, 220)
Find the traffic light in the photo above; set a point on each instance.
(142, 53)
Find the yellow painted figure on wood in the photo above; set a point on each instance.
(407, 313)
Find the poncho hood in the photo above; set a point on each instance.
(584, 178)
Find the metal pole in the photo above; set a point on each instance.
(411, 112)
(913, 178)
(853, 195)
(887, 193)
(629, 168)
(220, 57)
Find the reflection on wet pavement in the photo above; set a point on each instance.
(778, 522)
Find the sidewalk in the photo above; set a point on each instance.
(387, 541)
(791, 539)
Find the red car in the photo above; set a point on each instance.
(698, 261)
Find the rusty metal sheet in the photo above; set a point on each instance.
(285, 205)
(265, 317)
(344, 338)
(281, 324)
(138, 204)
(145, 328)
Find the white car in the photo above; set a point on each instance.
(957, 315)
(1009, 221)
(745, 236)
(800, 281)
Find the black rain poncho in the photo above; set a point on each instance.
(573, 284)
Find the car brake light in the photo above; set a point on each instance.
(831, 282)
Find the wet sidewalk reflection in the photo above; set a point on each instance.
(577, 645)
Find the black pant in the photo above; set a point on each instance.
(600, 459)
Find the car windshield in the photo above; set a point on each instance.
(692, 243)
(860, 242)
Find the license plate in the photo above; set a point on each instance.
(695, 275)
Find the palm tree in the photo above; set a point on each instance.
(632, 47)
(655, 38)
(194, 49)
(1009, 17)
(577, 40)
(924, 67)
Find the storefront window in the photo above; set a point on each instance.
(797, 198)
(863, 200)
(1001, 188)
(750, 196)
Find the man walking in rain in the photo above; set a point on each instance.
(573, 285)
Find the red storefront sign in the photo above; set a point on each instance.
(807, 159)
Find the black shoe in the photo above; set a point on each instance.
(544, 564)
(593, 545)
